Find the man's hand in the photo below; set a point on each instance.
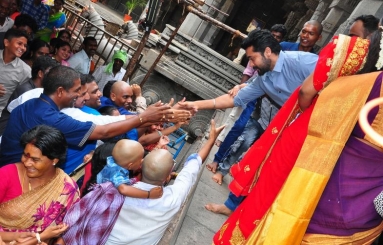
(163, 113)
(164, 140)
(136, 90)
(234, 91)
(2, 90)
(214, 132)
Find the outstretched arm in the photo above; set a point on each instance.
(131, 191)
(214, 132)
(221, 102)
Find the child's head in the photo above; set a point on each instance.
(109, 111)
(15, 42)
(128, 154)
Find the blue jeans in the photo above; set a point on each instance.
(251, 133)
(233, 201)
(235, 132)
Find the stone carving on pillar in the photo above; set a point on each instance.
(311, 5)
(336, 20)
(322, 10)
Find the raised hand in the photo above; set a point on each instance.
(214, 132)
(136, 90)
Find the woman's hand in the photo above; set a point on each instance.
(53, 231)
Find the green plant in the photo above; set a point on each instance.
(132, 4)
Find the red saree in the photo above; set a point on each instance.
(261, 174)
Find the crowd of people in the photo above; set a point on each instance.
(303, 170)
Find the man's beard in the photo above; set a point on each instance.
(265, 68)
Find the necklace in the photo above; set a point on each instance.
(29, 185)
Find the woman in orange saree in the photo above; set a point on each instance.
(264, 169)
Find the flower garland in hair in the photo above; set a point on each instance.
(379, 63)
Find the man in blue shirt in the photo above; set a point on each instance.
(309, 35)
(61, 89)
(280, 73)
(37, 10)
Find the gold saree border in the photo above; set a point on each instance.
(331, 123)
(18, 212)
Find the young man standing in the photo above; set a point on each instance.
(14, 71)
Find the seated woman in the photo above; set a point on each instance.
(38, 48)
(56, 20)
(34, 194)
(62, 52)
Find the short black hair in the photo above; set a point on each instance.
(107, 88)
(260, 40)
(50, 141)
(279, 28)
(42, 63)
(26, 20)
(63, 32)
(14, 33)
(86, 78)
(59, 76)
(370, 23)
(61, 43)
(88, 39)
(107, 110)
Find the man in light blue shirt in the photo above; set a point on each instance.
(280, 73)
(81, 60)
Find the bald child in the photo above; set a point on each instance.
(126, 156)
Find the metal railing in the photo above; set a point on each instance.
(79, 27)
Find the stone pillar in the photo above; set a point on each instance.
(201, 30)
(373, 7)
(294, 33)
(340, 10)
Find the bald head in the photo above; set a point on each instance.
(157, 166)
(121, 94)
(317, 24)
(128, 154)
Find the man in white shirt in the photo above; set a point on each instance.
(6, 23)
(81, 60)
(144, 221)
(112, 71)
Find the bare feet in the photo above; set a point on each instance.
(218, 208)
(218, 143)
(212, 166)
(218, 178)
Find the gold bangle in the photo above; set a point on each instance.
(141, 120)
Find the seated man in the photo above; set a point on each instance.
(140, 221)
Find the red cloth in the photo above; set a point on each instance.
(10, 186)
(274, 172)
(87, 175)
